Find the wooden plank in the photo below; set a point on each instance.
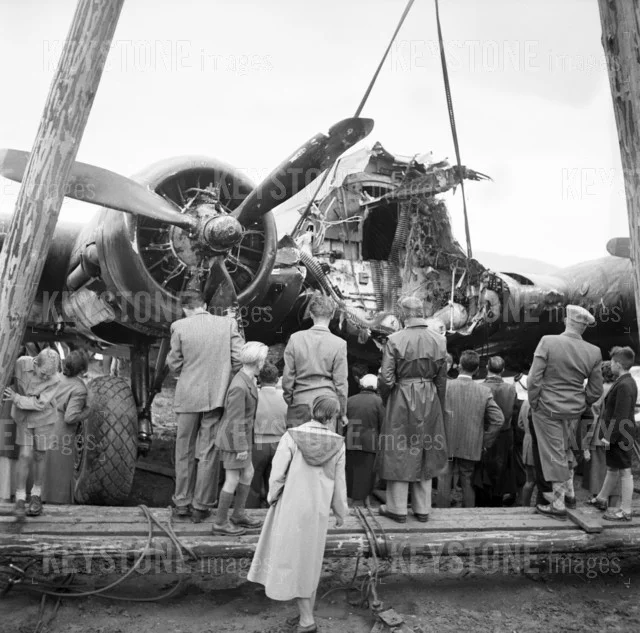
(130, 521)
(588, 520)
(108, 512)
(440, 521)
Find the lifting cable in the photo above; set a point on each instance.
(454, 133)
(305, 214)
(379, 547)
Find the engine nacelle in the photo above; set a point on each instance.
(127, 272)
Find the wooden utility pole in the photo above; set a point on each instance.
(621, 41)
(54, 151)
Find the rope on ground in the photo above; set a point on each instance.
(47, 588)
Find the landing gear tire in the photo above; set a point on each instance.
(107, 444)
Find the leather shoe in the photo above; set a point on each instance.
(198, 516)
(570, 502)
(228, 529)
(550, 511)
(398, 518)
(423, 518)
(246, 521)
(20, 510)
(34, 508)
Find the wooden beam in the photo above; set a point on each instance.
(55, 148)
(621, 42)
(99, 540)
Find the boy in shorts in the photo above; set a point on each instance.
(34, 411)
(235, 438)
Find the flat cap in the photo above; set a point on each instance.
(580, 315)
(412, 304)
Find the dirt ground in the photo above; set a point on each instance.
(605, 599)
(442, 604)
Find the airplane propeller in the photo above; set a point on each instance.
(104, 188)
(214, 229)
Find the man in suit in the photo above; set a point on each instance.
(472, 423)
(315, 364)
(497, 475)
(205, 352)
(413, 381)
(558, 397)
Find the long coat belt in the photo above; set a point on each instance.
(413, 382)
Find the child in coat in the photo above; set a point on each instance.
(235, 438)
(619, 428)
(71, 408)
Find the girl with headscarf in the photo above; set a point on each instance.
(307, 480)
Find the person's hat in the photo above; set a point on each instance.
(410, 303)
(579, 315)
(369, 381)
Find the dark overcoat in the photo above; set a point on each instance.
(618, 421)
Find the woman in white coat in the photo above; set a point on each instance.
(307, 480)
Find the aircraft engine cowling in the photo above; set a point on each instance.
(127, 272)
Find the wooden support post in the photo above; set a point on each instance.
(54, 151)
(621, 41)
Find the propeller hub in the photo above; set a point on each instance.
(222, 232)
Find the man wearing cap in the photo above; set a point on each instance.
(558, 396)
(413, 379)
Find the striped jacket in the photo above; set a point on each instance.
(472, 418)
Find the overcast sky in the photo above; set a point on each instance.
(249, 81)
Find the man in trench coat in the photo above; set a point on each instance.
(413, 379)
(558, 396)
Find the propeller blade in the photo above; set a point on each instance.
(104, 188)
(219, 291)
(302, 168)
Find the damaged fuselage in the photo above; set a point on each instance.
(382, 232)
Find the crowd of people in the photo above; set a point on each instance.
(301, 446)
(308, 448)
